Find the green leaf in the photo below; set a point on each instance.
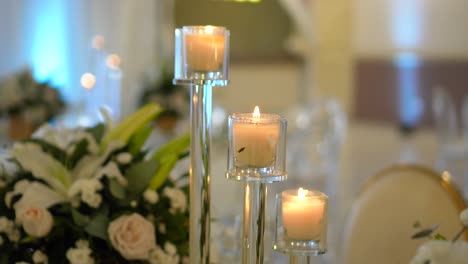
(79, 218)
(80, 150)
(177, 145)
(138, 139)
(97, 227)
(130, 125)
(4, 259)
(439, 237)
(97, 131)
(425, 232)
(116, 189)
(139, 176)
(167, 164)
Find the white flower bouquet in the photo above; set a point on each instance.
(38, 102)
(94, 195)
(439, 250)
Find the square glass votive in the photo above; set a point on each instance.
(201, 53)
(257, 147)
(301, 222)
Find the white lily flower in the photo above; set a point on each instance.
(88, 190)
(7, 166)
(107, 117)
(19, 188)
(39, 195)
(112, 171)
(42, 166)
(88, 166)
(64, 138)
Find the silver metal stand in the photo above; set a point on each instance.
(294, 259)
(253, 242)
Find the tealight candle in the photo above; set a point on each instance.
(303, 214)
(204, 49)
(255, 139)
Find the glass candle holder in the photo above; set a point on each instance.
(301, 222)
(201, 53)
(257, 147)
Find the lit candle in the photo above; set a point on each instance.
(255, 139)
(303, 214)
(204, 50)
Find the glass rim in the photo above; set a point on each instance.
(311, 194)
(265, 118)
(200, 29)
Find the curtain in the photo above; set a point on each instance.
(54, 38)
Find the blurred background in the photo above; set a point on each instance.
(364, 83)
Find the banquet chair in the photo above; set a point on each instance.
(381, 221)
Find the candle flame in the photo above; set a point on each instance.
(256, 112)
(302, 193)
(209, 29)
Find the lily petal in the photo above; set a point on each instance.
(32, 158)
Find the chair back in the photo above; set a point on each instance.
(381, 221)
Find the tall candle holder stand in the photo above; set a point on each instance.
(256, 156)
(201, 62)
(301, 225)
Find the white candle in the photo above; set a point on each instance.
(303, 215)
(255, 139)
(205, 50)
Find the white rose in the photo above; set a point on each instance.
(132, 236)
(37, 222)
(39, 257)
(170, 248)
(79, 256)
(464, 217)
(91, 198)
(177, 198)
(441, 252)
(14, 235)
(6, 225)
(151, 196)
(158, 256)
(124, 158)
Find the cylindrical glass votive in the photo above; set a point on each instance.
(301, 222)
(257, 147)
(204, 53)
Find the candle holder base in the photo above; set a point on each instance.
(265, 175)
(300, 248)
(201, 82)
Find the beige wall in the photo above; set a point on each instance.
(257, 29)
(273, 87)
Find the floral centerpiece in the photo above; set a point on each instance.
(23, 98)
(439, 250)
(94, 195)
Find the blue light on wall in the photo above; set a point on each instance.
(410, 103)
(406, 24)
(46, 37)
(407, 36)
